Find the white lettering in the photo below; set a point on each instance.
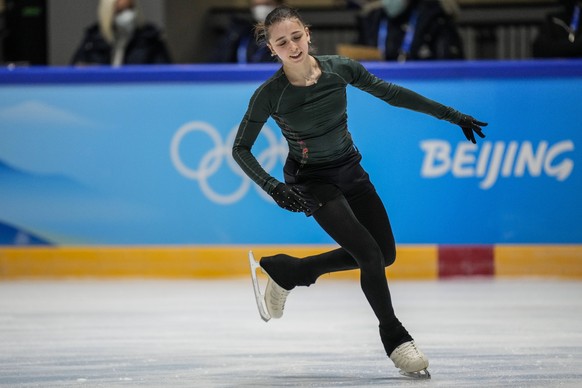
(534, 161)
(562, 170)
(483, 158)
(491, 161)
(509, 158)
(463, 160)
(494, 166)
(437, 159)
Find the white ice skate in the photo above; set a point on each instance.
(272, 303)
(411, 361)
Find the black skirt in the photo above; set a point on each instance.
(320, 183)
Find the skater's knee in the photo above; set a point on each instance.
(370, 255)
(388, 254)
(389, 257)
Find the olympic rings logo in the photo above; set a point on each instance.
(214, 159)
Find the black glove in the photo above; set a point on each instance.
(289, 198)
(469, 124)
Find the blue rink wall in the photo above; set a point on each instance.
(140, 156)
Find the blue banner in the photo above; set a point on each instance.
(143, 156)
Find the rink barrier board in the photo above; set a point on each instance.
(538, 260)
(414, 262)
(228, 73)
(140, 184)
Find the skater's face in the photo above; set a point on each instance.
(289, 40)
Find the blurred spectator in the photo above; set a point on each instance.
(238, 44)
(412, 29)
(356, 4)
(560, 35)
(121, 37)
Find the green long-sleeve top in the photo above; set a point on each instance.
(313, 119)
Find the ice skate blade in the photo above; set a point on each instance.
(259, 296)
(420, 375)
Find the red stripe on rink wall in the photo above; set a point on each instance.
(466, 260)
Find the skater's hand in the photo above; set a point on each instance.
(469, 125)
(289, 198)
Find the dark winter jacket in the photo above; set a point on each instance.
(239, 36)
(145, 47)
(435, 34)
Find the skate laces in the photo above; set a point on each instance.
(408, 357)
(408, 350)
(278, 296)
(275, 297)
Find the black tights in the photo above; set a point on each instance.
(362, 229)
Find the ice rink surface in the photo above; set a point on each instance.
(96, 333)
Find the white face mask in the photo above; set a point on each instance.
(125, 21)
(260, 12)
(394, 7)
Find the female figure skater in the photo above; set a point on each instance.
(323, 177)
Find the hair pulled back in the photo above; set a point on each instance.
(277, 15)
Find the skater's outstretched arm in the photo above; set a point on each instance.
(402, 97)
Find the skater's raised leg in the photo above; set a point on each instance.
(370, 212)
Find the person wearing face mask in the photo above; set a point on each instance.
(561, 36)
(237, 44)
(412, 29)
(121, 37)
